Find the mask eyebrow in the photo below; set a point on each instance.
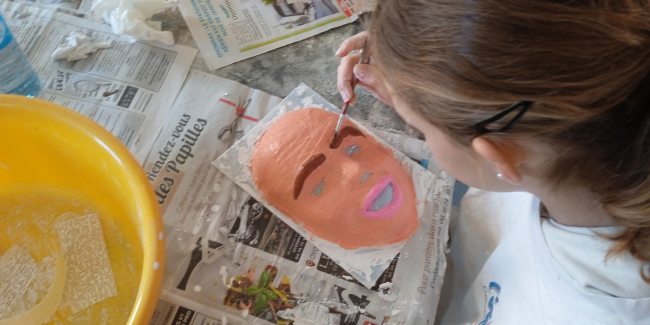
(345, 131)
(307, 168)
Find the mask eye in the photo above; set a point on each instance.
(351, 150)
(365, 177)
(319, 188)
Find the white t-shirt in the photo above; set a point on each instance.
(501, 270)
(581, 252)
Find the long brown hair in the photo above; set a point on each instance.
(585, 65)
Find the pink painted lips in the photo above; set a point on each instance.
(383, 200)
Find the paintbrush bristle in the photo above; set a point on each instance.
(333, 142)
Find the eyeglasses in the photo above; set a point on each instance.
(481, 127)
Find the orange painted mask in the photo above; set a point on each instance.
(354, 193)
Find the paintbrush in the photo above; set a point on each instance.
(362, 60)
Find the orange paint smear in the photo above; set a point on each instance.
(348, 175)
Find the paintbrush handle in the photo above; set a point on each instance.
(362, 60)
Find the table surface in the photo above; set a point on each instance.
(311, 61)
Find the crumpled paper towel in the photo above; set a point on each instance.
(78, 46)
(127, 17)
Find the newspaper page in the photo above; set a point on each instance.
(74, 6)
(128, 88)
(231, 261)
(227, 31)
(77, 8)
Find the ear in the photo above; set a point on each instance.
(505, 155)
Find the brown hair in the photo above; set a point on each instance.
(585, 65)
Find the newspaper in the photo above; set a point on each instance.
(77, 8)
(70, 5)
(227, 31)
(225, 250)
(128, 88)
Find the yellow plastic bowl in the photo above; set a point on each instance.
(44, 143)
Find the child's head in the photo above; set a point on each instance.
(584, 64)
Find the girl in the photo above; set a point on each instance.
(548, 101)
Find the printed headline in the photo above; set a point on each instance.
(186, 139)
(433, 242)
(212, 24)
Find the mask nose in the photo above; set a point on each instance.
(351, 172)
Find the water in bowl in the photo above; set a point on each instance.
(28, 215)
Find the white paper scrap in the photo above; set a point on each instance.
(78, 46)
(308, 313)
(128, 17)
(90, 277)
(17, 270)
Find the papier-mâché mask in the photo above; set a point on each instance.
(356, 194)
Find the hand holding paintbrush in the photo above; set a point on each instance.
(363, 59)
(357, 69)
(368, 74)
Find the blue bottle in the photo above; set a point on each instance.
(16, 74)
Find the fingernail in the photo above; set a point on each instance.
(338, 52)
(359, 73)
(345, 95)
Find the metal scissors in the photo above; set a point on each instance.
(231, 128)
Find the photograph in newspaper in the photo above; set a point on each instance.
(127, 88)
(227, 31)
(294, 13)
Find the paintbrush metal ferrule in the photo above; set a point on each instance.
(338, 124)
